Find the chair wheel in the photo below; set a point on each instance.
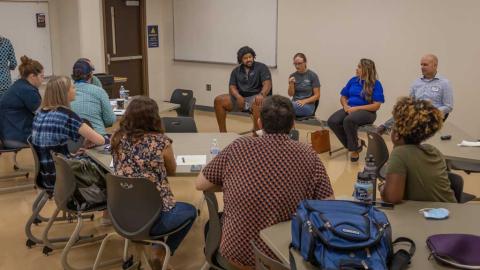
(92, 217)
(47, 250)
(128, 263)
(30, 243)
(37, 221)
(27, 175)
(15, 167)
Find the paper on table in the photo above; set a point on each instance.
(468, 143)
(119, 112)
(192, 160)
(111, 164)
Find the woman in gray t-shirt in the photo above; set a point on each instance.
(304, 87)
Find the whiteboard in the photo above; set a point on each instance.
(18, 24)
(214, 30)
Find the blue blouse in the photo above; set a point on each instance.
(353, 92)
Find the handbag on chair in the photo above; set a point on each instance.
(320, 140)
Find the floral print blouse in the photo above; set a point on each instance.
(144, 158)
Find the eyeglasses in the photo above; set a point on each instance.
(298, 64)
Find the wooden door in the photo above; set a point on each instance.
(125, 48)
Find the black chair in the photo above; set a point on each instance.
(456, 183)
(179, 125)
(379, 150)
(65, 187)
(17, 171)
(264, 262)
(134, 206)
(186, 100)
(467, 167)
(46, 194)
(213, 236)
(305, 118)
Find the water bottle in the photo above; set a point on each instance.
(122, 92)
(370, 171)
(214, 149)
(370, 167)
(363, 188)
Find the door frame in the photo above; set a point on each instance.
(143, 23)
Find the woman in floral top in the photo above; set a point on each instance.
(140, 149)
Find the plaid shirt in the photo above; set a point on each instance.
(263, 180)
(51, 130)
(92, 103)
(7, 63)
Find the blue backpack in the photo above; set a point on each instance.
(342, 235)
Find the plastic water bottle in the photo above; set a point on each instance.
(370, 171)
(370, 167)
(214, 149)
(363, 188)
(122, 92)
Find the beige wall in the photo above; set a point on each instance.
(333, 34)
(336, 34)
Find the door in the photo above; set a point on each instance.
(125, 50)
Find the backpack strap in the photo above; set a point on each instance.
(401, 259)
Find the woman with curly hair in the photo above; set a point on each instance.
(416, 171)
(140, 149)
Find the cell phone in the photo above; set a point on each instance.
(445, 137)
(196, 168)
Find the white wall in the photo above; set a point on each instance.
(336, 34)
(333, 34)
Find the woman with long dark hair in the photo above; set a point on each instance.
(361, 99)
(140, 149)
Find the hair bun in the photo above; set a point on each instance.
(25, 60)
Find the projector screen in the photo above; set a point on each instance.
(214, 30)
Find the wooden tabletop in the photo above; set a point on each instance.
(405, 220)
(183, 144)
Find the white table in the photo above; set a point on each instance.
(163, 106)
(183, 144)
(451, 150)
(405, 221)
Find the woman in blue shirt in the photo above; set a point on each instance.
(19, 104)
(360, 98)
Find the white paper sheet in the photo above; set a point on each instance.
(118, 112)
(111, 164)
(470, 144)
(192, 160)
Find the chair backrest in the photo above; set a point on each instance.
(191, 108)
(179, 125)
(134, 205)
(456, 183)
(184, 98)
(378, 149)
(264, 262)
(65, 184)
(36, 165)
(214, 234)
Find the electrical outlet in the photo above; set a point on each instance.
(209, 87)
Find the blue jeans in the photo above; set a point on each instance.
(169, 221)
(305, 110)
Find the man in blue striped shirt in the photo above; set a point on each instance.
(91, 102)
(430, 86)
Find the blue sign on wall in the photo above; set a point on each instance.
(152, 36)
